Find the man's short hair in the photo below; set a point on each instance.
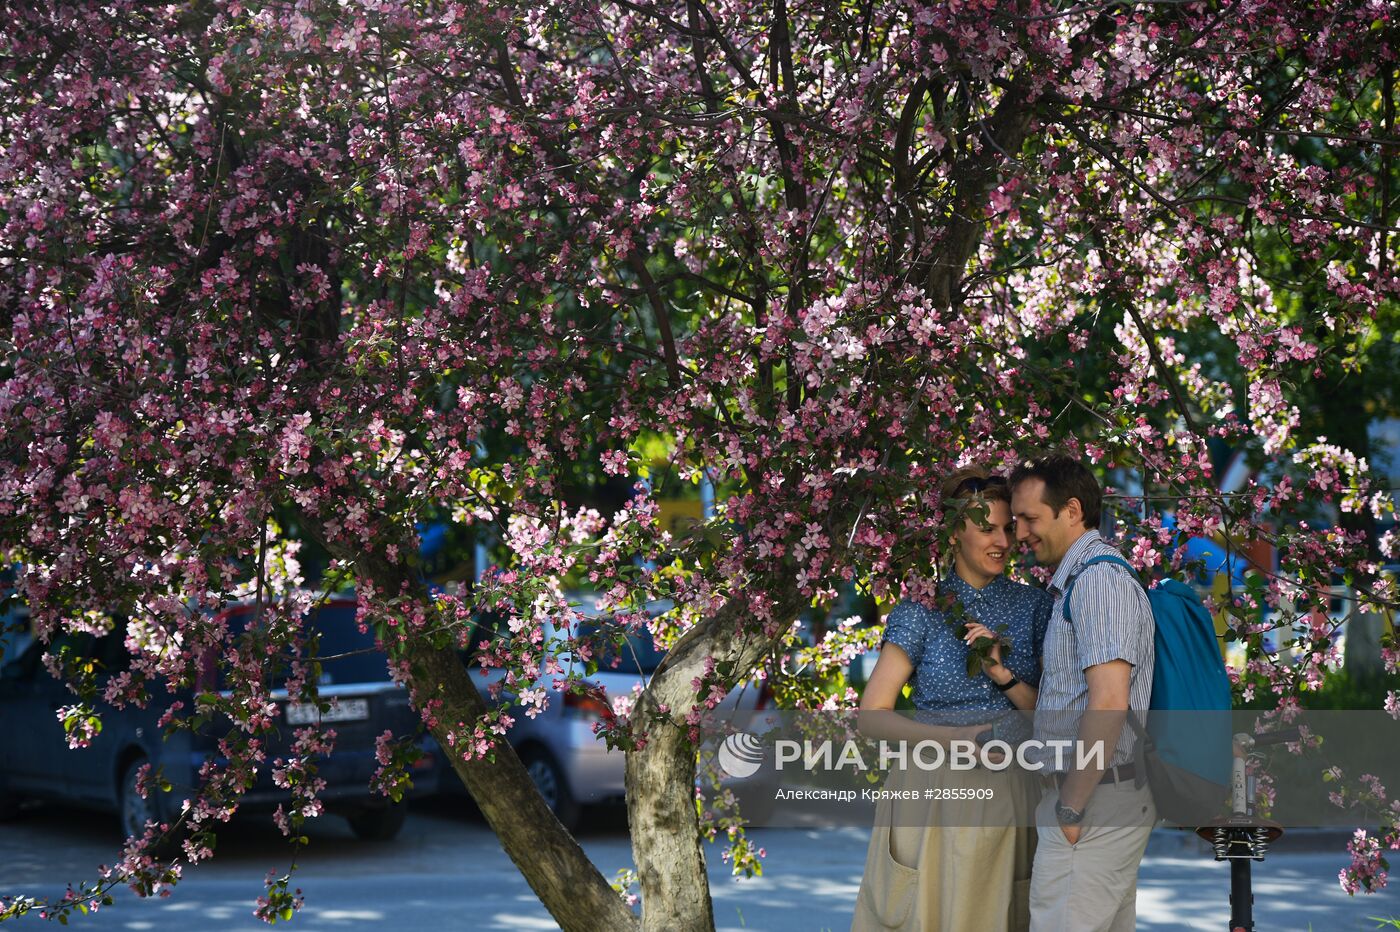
(1065, 477)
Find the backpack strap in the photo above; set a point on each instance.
(1144, 744)
(1101, 558)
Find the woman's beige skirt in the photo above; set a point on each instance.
(972, 874)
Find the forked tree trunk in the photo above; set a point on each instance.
(571, 888)
(665, 826)
(972, 179)
(568, 884)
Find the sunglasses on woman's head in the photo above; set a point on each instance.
(975, 485)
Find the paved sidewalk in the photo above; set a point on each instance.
(1181, 887)
(448, 872)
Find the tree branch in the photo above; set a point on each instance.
(1006, 130)
(661, 309)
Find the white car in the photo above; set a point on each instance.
(570, 764)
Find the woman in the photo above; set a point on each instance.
(973, 873)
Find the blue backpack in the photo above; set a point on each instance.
(1185, 748)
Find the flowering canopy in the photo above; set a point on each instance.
(350, 265)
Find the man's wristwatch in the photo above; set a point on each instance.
(1067, 815)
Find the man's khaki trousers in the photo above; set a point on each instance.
(1091, 886)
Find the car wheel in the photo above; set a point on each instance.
(134, 811)
(548, 778)
(378, 823)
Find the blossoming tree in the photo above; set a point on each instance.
(346, 266)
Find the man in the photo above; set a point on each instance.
(1095, 814)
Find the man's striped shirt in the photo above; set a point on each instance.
(1112, 620)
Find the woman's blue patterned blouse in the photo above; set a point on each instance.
(940, 682)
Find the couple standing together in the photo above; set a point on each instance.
(1076, 869)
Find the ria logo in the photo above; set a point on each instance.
(740, 755)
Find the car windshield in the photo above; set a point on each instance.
(24, 655)
(637, 655)
(346, 654)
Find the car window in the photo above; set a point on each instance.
(110, 649)
(347, 655)
(22, 654)
(485, 626)
(25, 663)
(29, 663)
(637, 654)
(13, 641)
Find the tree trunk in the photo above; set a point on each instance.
(576, 894)
(665, 826)
(1361, 657)
(666, 833)
(566, 881)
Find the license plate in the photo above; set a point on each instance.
(341, 710)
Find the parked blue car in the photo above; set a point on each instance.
(365, 703)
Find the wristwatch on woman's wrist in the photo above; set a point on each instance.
(1007, 685)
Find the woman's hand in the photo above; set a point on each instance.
(975, 733)
(1022, 695)
(975, 630)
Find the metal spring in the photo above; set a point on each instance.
(1260, 842)
(1240, 842)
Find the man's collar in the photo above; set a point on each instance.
(1073, 557)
